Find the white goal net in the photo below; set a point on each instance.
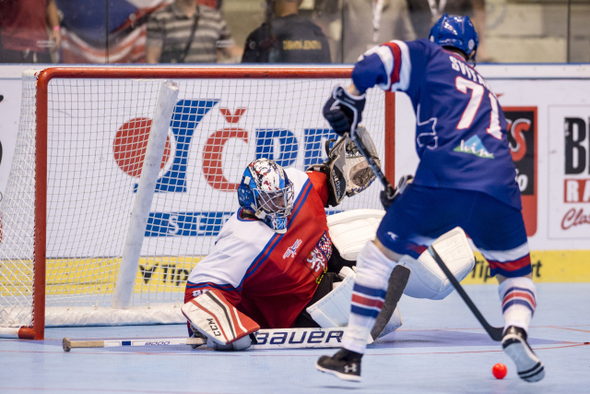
(97, 125)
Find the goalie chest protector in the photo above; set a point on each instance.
(272, 276)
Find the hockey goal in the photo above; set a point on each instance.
(67, 210)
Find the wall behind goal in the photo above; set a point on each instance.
(549, 116)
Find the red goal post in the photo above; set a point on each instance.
(79, 153)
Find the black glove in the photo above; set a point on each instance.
(344, 111)
(388, 198)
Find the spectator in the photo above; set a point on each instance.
(30, 31)
(187, 32)
(357, 25)
(423, 14)
(286, 38)
(216, 4)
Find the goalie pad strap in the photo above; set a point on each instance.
(427, 279)
(217, 319)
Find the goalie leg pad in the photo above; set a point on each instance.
(427, 279)
(393, 324)
(390, 319)
(333, 309)
(213, 316)
(351, 230)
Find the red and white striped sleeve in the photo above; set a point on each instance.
(387, 66)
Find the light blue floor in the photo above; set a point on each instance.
(439, 349)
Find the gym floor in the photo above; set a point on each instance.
(439, 349)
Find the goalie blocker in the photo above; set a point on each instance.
(347, 170)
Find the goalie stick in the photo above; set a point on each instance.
(397, 283)
(494, 332)
(281, 338)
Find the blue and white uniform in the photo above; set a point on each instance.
(465, 178)
(463, 148)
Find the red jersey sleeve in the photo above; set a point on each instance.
(320, 184)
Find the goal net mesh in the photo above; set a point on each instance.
(97, 130)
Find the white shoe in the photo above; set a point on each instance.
(528, 365)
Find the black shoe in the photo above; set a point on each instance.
(345, 365)
(197, 334)
(528, 365)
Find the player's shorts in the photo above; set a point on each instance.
(421, 214)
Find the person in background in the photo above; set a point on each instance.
(424, 13)
(187, 32)
(353, 26)
(286, 37)
(29, 31)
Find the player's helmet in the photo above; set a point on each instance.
(266, 190)
(457, 32)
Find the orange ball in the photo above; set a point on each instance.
(499, 371)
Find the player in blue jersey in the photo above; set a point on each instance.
(465, 178)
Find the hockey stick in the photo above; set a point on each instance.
(494, 332)
(68, 344)
(287, 338)
(397, 283)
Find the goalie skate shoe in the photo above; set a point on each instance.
(345, 365)
(194, 333)
(528, 365)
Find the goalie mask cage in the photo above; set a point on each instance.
(82, 138)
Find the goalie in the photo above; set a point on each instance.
(274, 257)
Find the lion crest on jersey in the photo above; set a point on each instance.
(316, 260)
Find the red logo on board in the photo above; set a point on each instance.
(522, 136)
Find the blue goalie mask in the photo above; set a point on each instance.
(267, 191)
(457, 32)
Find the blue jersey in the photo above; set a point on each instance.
(460, 127)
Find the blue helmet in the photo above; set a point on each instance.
(457, 32)
(266, 190)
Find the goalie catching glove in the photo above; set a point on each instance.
(214, 317)
(360, 175)
(347, 170)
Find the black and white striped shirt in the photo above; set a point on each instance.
(170, 29)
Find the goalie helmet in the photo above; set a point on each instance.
(266, 190)
(457, 32)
